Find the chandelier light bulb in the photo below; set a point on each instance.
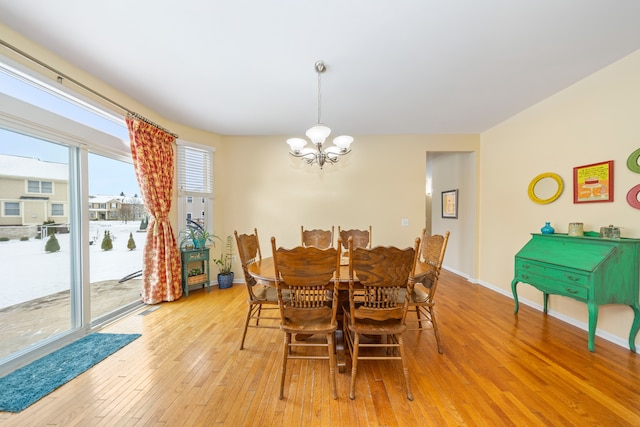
(296, 144)
(343, 142)
(318, 135)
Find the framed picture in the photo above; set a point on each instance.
(593, 183)
(450, 204)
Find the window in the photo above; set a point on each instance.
(44, 187)
(114, 205)
(11, 209)
(195, 181)
(103, 206)
(57, 209)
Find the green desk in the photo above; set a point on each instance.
(195, 258)
(593, 270)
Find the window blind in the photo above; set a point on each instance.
(195, 171)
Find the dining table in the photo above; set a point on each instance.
(263, 271)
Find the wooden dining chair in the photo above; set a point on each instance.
(422, 299)
(361, 238)
(376, 277)
(261, 297)
(307, 273)
(322, 239)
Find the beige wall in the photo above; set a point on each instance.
(592, 121)
(381, 182)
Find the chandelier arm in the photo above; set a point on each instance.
(301, 154)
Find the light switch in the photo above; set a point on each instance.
(405, 222)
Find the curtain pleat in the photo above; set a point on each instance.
(153, 160)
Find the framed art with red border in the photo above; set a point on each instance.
(593, 183)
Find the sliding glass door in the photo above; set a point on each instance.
(71, 217)
(36, 242)
(117, 234)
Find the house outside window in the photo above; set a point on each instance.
(57, 209)
(43, 187)
(11, 209)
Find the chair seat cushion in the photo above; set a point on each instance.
(317, 326)
(371, 326)
(268, 293)
(418, 296)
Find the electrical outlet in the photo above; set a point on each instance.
(233, 258)
(405, 222)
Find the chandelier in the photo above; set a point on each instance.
(318, 134)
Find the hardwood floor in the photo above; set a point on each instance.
(497, 369)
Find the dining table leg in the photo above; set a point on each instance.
(341, 351)
(341, 359)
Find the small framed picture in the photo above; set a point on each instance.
(593, 183)
(450, 204)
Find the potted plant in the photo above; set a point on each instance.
(225, 277)
(195, 236)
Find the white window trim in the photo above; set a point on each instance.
(64, 209)
(11, 216)
(183, 211)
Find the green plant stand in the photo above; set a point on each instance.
(193, 256)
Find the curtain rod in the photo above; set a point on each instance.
(88, 89)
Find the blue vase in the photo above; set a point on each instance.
(547, 229)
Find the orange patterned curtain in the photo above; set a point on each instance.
(153, 160)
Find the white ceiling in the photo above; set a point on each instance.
(246, 67)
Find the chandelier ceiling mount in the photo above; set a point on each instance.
(318, 135)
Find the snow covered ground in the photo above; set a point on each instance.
(28, 272)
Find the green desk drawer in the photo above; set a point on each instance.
(552, 280)
(570, 277)
(557, 288)
(549, 286)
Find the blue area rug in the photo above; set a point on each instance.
(32, 382)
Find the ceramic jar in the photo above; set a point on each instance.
(576, 229)
(547, 229)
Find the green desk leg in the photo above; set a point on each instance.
(514, 282)
(545, 302)
(634, 328)
(593, 320)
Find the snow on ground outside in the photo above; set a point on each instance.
(28, 272)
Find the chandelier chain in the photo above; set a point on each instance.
(320, 69)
